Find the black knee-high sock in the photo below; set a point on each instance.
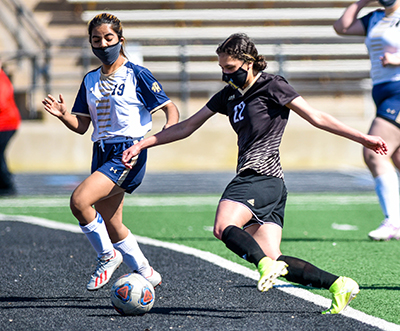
(242, 244)
(304, 273)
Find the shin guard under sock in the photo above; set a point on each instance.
(242, 244)
(97, 234)
(304, 273)
(133, 256)
(387, 190)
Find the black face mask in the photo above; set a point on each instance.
(108, 55)
(236, 79)
(387, 3)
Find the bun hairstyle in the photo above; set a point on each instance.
(241, 47)
(113, 21)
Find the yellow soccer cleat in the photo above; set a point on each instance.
(344, 290)
(269, 271)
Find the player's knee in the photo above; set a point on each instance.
(372, 160)
(218, 232)
(275, 255)
(396, 158)
(76, 205)
(368, 157)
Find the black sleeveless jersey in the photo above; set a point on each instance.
(259, 116)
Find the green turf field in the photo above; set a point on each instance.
(328, 230)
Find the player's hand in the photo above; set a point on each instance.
(390, 59)
(129, 154)
(54, 107)
(377, 144)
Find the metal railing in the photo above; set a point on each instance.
(32, 44)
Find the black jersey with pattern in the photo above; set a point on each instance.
(259, 116)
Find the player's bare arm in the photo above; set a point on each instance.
(57, 108)
(176, 132)
(171, 114)
(348, 24)
(328, 123)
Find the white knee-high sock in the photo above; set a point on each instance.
(387, 189)
(97, 234)
(133, 255)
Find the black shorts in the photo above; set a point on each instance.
(264, 196)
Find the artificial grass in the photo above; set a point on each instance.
(327, 230)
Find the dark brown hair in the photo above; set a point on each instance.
(241, 47)
(113, 21)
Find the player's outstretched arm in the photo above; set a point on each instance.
(171, 114)
(176, 132)
(78, 124)
(328, 123)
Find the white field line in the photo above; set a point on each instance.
(306, 201)
(223, 263)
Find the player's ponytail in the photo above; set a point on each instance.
(241, 47)
(259, 64)
(113, 21)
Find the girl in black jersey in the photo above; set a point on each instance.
(249, 217)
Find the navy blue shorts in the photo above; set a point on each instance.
(107, 159)
(264, 196)
(387, 100)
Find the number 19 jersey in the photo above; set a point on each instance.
(120, 104)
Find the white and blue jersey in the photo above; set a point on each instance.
(120, 107)
(382, 36)
(120, 104)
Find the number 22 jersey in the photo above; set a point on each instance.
(259, 116)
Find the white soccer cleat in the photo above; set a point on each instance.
(154, 278)
(104, 270)
(385, 231)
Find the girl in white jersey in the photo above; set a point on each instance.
(382, 30)
(250, 214)
(118, 98)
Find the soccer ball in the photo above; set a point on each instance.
(132, 294)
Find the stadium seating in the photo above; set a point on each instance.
(178, 39)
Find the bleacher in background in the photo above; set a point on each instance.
(178, 40)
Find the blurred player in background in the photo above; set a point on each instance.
(10, 120)
(382, 30)
(249, 218)
(118, 98)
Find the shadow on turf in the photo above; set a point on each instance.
(395, 287)
(325, 240)
(172, 239)
(181, 239)
(63, 302)
(381, 287)
(233, 313)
